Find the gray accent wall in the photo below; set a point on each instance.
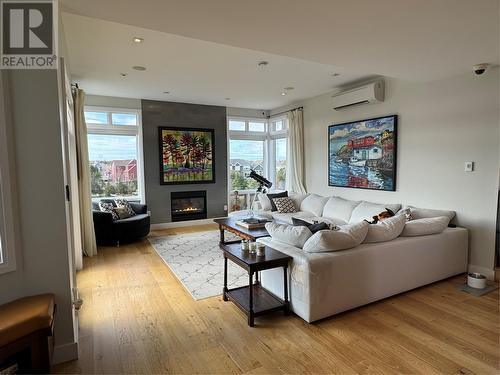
(158, 113)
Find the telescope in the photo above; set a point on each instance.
(263, 182)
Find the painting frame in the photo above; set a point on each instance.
(211, 135)
(393, 173)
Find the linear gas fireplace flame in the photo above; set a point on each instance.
(188, 205)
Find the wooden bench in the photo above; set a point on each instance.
(26, 325)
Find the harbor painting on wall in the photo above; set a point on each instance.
(186, 156)
(362, 154)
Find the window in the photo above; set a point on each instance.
(115, 153)
(280, 160)
(259, 145)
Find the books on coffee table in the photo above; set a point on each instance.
(252, 223)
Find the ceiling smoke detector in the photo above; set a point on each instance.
(227, 98)
(123, 74)
(139, 68)
(263, 63)
(166, 92)
(335, 74)
(136, 39)
(289, 88)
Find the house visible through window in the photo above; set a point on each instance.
(114, 142)
(259, 145)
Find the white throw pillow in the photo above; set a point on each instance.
(339, 208)
(348, 236)
(297, 198)
(314, 203)
(386, 230)
(366, 210)
(265, 202)
(422, 213)
(289, 234)
(425, 226)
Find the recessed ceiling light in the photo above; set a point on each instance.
(136, 39)
(289, 88)
(283, 93)
(123, 74)
(139, 68)
(263, 63)
(335, 74)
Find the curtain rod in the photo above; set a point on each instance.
(280, 113)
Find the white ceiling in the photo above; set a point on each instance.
(411, 39)
(192, 70)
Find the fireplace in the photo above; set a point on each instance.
(188, 205)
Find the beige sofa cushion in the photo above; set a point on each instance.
(425, 226)
(339, 208)
(348, 236)
(386, 230)
(287, 218)
(366, 210)
(421, 213)
(289, 234)
(314, 203)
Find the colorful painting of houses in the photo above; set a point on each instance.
(187, 155)
(362, 154)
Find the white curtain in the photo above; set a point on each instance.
(295, 162)
(85, 195)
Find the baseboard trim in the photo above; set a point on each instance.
(65, 353)
(489, 273)
(180, 224)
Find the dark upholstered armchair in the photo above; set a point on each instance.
(115, 232)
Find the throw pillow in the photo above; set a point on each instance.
(285, 205)
(406, 212)
(346, 237)
(295, 236)
(313, 227)
(422, 213)
(276, 195)
(366, 210)
(265, 202)
(314, 203)
(425, 226)
(386, 230)
(108, 207)
(125, 204)
(122, 212)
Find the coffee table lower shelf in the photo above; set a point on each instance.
(263, 301)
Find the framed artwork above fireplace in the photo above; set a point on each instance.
(186, 155)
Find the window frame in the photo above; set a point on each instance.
(8, 239)
(130, 130)
(268, 137)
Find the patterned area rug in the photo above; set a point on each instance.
(197, 261)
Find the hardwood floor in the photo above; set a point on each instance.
(138, 318)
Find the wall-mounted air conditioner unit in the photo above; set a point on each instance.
(370, 93)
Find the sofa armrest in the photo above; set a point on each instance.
(139, 208)
(102, 219)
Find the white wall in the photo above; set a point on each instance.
(246, 112)
(42, 252)
(111, 101)
(442, 124)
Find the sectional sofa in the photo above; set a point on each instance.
(328, 283)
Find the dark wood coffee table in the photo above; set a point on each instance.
(253, 299)
(229, 224)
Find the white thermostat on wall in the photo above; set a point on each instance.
(469, 166)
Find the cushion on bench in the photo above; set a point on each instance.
(24, 316)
